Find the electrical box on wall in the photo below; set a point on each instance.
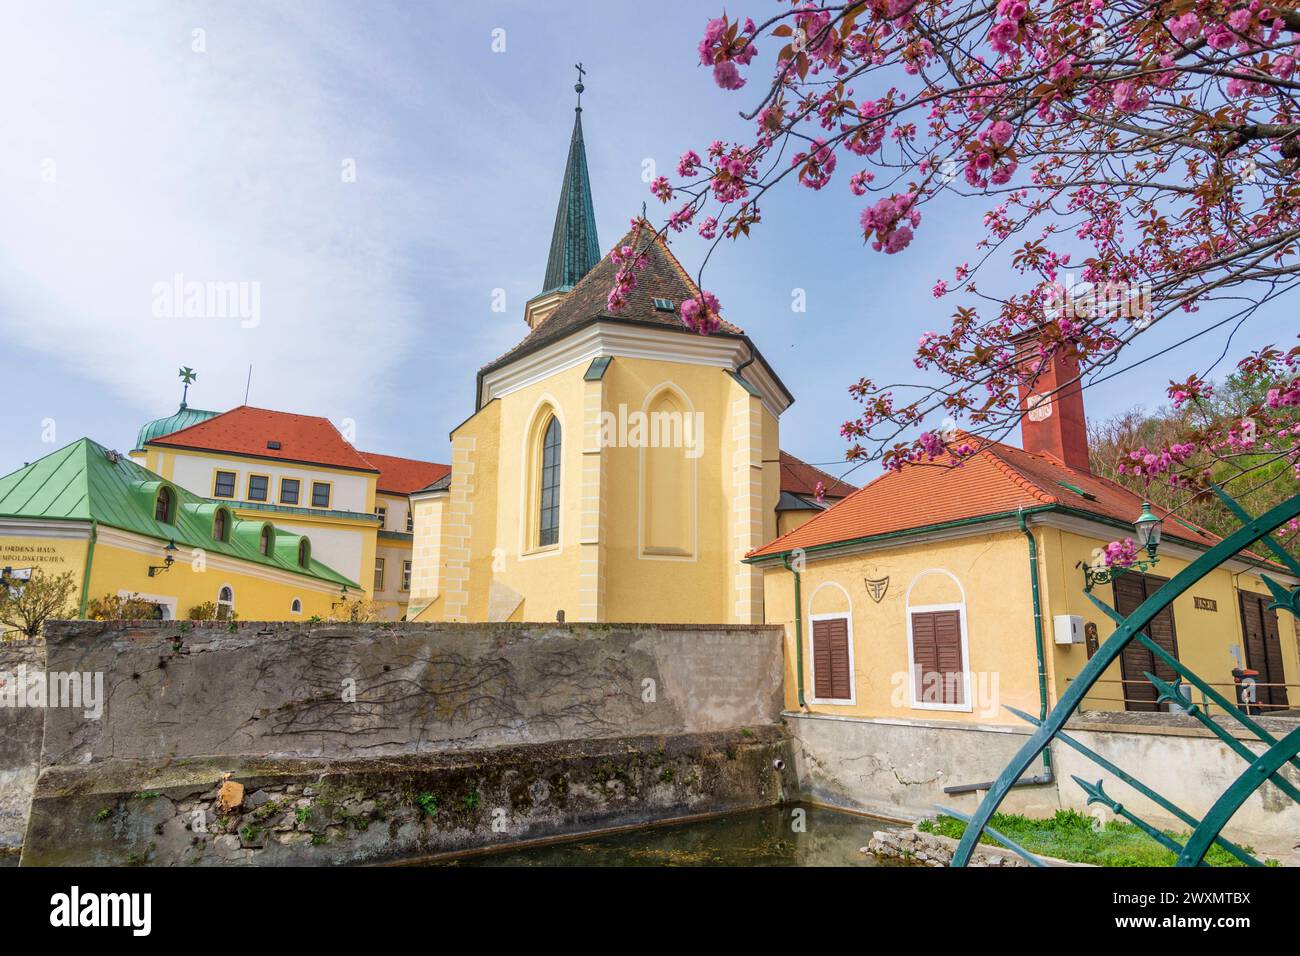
(1068, 628)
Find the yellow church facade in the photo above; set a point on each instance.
(617, 466)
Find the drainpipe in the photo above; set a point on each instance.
(1038, 638)
(85, 576)
(798, 632)
(1046, 776)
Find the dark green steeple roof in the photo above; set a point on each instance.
(575, 250)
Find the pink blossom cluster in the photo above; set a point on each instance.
(1151, 464)
(990, 158)
(701, 313)
(818, 164)
(892, 220)
(1007, 31)
(629, 264)
(1284, 396)
(722, 49)
(1120, 554)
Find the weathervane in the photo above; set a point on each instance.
(187, 375)
(578, 87)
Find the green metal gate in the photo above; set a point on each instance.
(1259, 767)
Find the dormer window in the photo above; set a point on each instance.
(164, 505)
(304, 553)
(221, 525)
(665, 305)
(264, 542)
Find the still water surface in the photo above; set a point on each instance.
(755, 838)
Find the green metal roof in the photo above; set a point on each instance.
(87, 482)
(575, 250)
(184, 417)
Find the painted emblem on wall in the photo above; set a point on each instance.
(876, 587)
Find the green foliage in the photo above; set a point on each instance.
(25, 606)
(1070, 835)
(470, 800)
(249, 832)
(1257, 481)
(428, 803)
(103, 814)
(302, 814)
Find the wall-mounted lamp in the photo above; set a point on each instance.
(169, 558)
(343, 598)
(1147, 531)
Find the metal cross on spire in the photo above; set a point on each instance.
(187, 375)
(578, 87)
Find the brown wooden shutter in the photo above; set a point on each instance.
(1263, 642)
(1131, 590)
(936, 657)
(832, 677)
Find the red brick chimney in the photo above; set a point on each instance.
(1054, 423)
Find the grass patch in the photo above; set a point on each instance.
(1069, 835)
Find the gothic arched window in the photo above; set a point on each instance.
(548, 513)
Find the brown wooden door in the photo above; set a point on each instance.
(1131, 589)
(832, 679)
(937, 664)
(1263, 640)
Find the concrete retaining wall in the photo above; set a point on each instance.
(375, 742)
(900, 768)
(20, 744)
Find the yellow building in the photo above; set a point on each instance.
(617, 466)
(124, 531)
(949, 593)
(301, 472)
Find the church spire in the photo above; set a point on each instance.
(575, 250)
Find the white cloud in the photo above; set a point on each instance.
(222, 165)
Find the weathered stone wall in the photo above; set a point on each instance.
(20, 745)
(381, 742)
(301, 690)
(899, 769)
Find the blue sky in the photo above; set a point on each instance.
(129, 157)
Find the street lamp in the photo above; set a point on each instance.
(169, 558)
(1146, 528)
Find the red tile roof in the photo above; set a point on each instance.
(800, 478)
(247, 430)
(401, 476)
(997, 480)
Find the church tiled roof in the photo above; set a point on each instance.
(662, 278)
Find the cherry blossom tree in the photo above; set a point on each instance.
(1153, 148)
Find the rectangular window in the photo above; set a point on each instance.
(1263, 643)
(1131, 589)
(289, 491)
(224, 485)
(259, 486)
(320, 494)
(832, 666)
(938, 671)
(406, 575)
(379, 574)
(381, 512)
(410, 521)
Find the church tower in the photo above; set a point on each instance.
(617, 467)
(575, 250)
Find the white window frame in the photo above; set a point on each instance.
(230, 604)
(852, 699)
(960, 607)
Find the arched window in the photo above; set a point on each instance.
(162, 507)
(668, 505)
(295, 607)
(937, 644)
(225, 603)
(264, 542)
(548, 514)
(304, 552)
(221, 525)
